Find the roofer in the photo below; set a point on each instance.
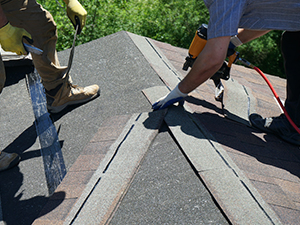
(19, 19)
(254, 18)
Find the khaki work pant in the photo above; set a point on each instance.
(31, 16)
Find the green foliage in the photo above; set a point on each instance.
(170, 21)
(265, 53)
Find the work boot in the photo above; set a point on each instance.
(8, 160)
(279, 126)
(69, 94)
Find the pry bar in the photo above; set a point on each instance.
(32, 49)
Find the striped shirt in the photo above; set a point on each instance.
(226, 16)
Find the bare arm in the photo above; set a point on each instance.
(249, 35)
(208, 62)
(206, 65)
(211, 58)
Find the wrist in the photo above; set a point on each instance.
(175, 94)
(178, 92)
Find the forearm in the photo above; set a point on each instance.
(249, 35)
(206, 65)
(201, 71)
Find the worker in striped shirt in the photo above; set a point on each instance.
(246, 20)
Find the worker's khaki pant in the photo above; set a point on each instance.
(39, 23)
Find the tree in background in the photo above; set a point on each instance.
(170, 21)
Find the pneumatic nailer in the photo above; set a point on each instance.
(197, 46)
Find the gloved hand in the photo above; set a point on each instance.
(174, 96)
(76, 13)
(11, 39)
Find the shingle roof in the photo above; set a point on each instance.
(272, 165)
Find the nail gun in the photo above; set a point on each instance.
(197, 45)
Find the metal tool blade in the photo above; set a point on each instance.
(32, 49)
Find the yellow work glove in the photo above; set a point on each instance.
(76, 13)
(11, 39)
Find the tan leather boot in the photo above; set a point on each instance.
(69, 94)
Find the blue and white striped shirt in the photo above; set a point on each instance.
(226, 16)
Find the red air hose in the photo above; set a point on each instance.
(277, 98)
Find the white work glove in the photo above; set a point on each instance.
(174, 96)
